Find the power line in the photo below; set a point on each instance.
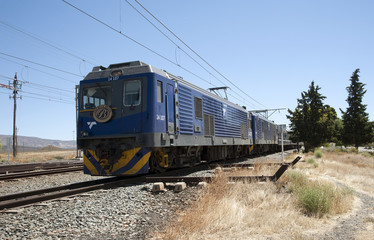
(50, 100)
(50, 91)
(42, 87)
(198, 54)
(172, 41)
(6, 77)
(43, 65)
(178, 47)
(45, 86)
(46, 96)
(133, 40)
(45, 42)
(4, 93)
(26, 66)
(149, 49)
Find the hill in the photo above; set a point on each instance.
(34, 143)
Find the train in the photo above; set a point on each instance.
(134, 118)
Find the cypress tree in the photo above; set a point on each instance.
(356, 127)
(312, 122)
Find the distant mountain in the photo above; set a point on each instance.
(36, 143)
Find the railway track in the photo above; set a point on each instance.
(282, 169)
(30, 197)
(8, 172)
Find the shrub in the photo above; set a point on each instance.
(58, 157)
(312, 161)
(315, 199)
(318, 198)
(318, 153)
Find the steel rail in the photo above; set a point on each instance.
(30, 197)
(39, 173)
(26, 198)
(273, 178)
(36, 166)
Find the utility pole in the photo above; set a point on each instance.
(16, 88)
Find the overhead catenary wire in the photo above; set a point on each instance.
(50, 100)
(40, 64)
(42, 97)
(40, 86)
(47, 73)
(64, 94)
(149, 49)
(46, 42)
(135, 41)
(6, 77)
(49, 87)
(46, 96)
(178, 47)
(198, 55)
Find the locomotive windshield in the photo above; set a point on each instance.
(132, 93)
(96, 96)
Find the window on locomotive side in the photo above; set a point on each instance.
(132, 93)
(198, 108)
(92, 97)
(159, 92)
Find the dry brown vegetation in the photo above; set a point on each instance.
(39, 156)
(355, 170)
(273, 211)
(240, 211)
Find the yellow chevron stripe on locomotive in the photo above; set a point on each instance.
(133, 161)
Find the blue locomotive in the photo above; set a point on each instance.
(134, 118)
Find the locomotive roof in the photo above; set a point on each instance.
(138, 67)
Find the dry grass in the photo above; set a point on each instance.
(240, 211)
(257, 170)
(318, 198)
(39, 156)
(355, 170)
(269, 211)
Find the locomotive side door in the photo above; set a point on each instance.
(170, 108)
(132, 106)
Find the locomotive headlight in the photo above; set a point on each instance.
(84, 133)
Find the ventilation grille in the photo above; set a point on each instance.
(198, 108)
(208, 125)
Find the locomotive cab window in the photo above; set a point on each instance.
(93, 97)
(132, 93)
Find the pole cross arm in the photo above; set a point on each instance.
(6, 86)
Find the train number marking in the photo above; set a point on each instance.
(160, 117)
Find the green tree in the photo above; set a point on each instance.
(312, 122)
(356, 127)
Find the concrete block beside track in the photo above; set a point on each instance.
(202, 185)
(158, 187)
(180, 186)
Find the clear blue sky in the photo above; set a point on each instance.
(271, 50)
